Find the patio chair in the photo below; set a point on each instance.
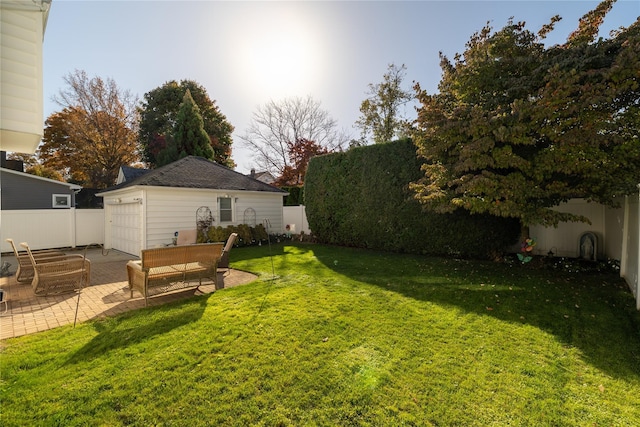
(64, 275)
(187, 237)
(223, 264)
(24, 274)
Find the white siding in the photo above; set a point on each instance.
(266, 206)
(169, 210)
(21, 103)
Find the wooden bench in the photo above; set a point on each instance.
(173, 267)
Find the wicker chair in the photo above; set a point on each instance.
(223, 264)
(64, 275)
(24, 274)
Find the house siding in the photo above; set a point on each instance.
(266, 206)
(165, 210)
(21, 108)
(170, 210)
(23, 192)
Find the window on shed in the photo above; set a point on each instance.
(226, 209)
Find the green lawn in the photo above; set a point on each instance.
(344, 337)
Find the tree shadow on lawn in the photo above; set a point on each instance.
(133, 328)
(594, 313)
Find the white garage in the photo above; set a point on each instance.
(147, 207)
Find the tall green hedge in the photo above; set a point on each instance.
(361, 198)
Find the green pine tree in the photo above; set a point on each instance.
(188, 137)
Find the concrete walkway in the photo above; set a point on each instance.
(108, 295)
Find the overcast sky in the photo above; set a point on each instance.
(248, 53)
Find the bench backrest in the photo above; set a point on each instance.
(207, 253)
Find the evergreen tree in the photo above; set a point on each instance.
(188, 136)
(158, 115)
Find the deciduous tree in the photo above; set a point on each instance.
(94, 134)
(276, 127)
(517, 128)
(158, 115)
(300, 153)
(381, 117)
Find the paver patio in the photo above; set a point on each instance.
(107, 295)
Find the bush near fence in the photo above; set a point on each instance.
(361, 198)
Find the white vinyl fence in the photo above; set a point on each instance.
(52, 228)
(296, 218)
(630, 259)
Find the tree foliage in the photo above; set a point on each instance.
(44, 172)
(188, 136)
(276, 127)
(94, 134)
(158, 116)
(517, 128)
(300, 153)
(381, 118)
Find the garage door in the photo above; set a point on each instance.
(126, 228)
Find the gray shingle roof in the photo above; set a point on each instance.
(132, 173)
(198, 172)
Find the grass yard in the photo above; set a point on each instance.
(344, 337)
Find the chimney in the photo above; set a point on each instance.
(253, 173)
(16, 165)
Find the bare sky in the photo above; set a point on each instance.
(247, 53)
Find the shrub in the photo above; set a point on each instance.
(247, 235)
(361, 198)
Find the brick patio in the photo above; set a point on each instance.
(108, 295)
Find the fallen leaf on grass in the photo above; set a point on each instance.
(601, 388)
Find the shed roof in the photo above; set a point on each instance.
(197, 172)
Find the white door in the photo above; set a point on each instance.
(126, 228)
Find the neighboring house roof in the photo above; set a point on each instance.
(36, 177)
(127, 173)
(266, 176)
(197, 172)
